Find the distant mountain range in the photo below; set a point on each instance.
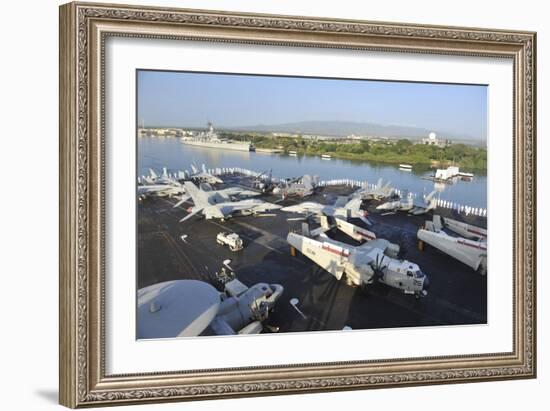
(345, 128)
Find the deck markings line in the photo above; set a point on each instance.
(181, 253)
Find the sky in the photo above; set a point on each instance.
(193, 99)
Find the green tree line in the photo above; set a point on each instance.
(400, 151)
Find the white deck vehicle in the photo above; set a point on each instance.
(232, 240)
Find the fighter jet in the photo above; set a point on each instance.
(377, 192)
(159, 186)
(159, 190)
(375, 260)
(164, 178)
(301, 187)
(152, 178)
(344, 208)
(229, 193)
(204, 176)
(264, 182)
(211, 204)
(400, 204)
(428, 203)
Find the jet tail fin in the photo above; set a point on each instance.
(307, 181)
(429, 196)
(354, 207)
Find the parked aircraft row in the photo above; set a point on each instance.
(159, 186)
(408, 204)
(235, 201)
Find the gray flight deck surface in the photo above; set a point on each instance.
(457, 294)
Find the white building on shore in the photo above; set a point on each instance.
(432, 140)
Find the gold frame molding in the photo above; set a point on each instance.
(84, 27)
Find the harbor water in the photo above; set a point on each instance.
(171, 153)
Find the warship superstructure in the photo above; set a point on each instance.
(211, 139)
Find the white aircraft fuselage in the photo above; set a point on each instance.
(212, 204)
(363, 264)
(473, 253)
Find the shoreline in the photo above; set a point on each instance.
(424, 166)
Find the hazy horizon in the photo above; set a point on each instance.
(236, 101)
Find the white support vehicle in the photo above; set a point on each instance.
(232, 240)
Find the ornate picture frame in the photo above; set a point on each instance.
(84, 29)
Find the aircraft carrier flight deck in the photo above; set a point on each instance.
(170, 250)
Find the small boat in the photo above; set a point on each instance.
(406, 167)
(293, 153)
(326, 156)
(466, 176)
(269, 150)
